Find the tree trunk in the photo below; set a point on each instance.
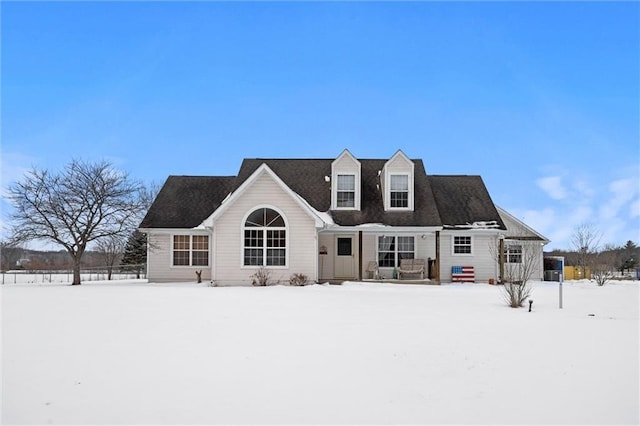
(76, 271)
(109, 272)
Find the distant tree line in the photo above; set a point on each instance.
(622, 259)
(129, 256)
(604, 261)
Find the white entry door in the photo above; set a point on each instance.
(345, 259)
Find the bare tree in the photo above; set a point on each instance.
(522, 260)
(585, 241)
(148, 194)
(82, 203)
(603, 265)
(110, 250)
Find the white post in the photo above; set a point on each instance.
(560, 289)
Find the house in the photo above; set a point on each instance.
(331, 220)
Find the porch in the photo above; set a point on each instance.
(403, 257)
(424, 281)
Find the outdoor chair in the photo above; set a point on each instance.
(411, 267)
(372, 270)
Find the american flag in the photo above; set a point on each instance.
(462, 274)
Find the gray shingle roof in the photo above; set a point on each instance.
(307, 179)
(463, 200)
(185, 201)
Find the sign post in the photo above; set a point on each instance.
(560, 291)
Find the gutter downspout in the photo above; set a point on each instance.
(359, 255)
(501, 260)
(437, 264)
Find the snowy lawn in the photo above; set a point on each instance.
(353, 354)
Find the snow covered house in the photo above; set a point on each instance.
(332, 220)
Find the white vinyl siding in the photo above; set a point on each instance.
(228, 264)
(160, 259)
(484, 264)
(518, 233)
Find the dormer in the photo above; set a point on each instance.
(345, 182)
(397, 179)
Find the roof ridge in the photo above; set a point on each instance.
(316, 159)
(206, 176)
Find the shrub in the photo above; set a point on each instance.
(516, 292)
(262, 277)
(298, 279)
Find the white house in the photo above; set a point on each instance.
(331, 220)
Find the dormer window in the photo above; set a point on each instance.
(399, 191)
(397, 181)
(346, 191)
(345, 182)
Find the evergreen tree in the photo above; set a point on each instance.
(135, 253)
(629, 256)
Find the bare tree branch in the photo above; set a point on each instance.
(82, 203)
(586, 240)
(523, 258)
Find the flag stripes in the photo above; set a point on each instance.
(463, 274)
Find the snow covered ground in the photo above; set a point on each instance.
(132, 353)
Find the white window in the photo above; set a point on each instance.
(346, 191)
(462, 245)
(265, 239)
(392, 249)
(190, 250)
(513, 253)
(399, 191)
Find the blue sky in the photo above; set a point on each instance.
(541, 99)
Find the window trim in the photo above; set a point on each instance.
(264, 230)
(508, 253)
(190, 250)
(453, 245)
(410, 191)
(395, 250)
(356, 191)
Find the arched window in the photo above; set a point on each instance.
(265, 239)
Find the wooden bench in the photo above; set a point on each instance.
(411, 267)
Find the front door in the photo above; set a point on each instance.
(345, 259)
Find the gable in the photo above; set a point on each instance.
(399, 162)
(305, 177)
(274, 191)
(517, 229)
